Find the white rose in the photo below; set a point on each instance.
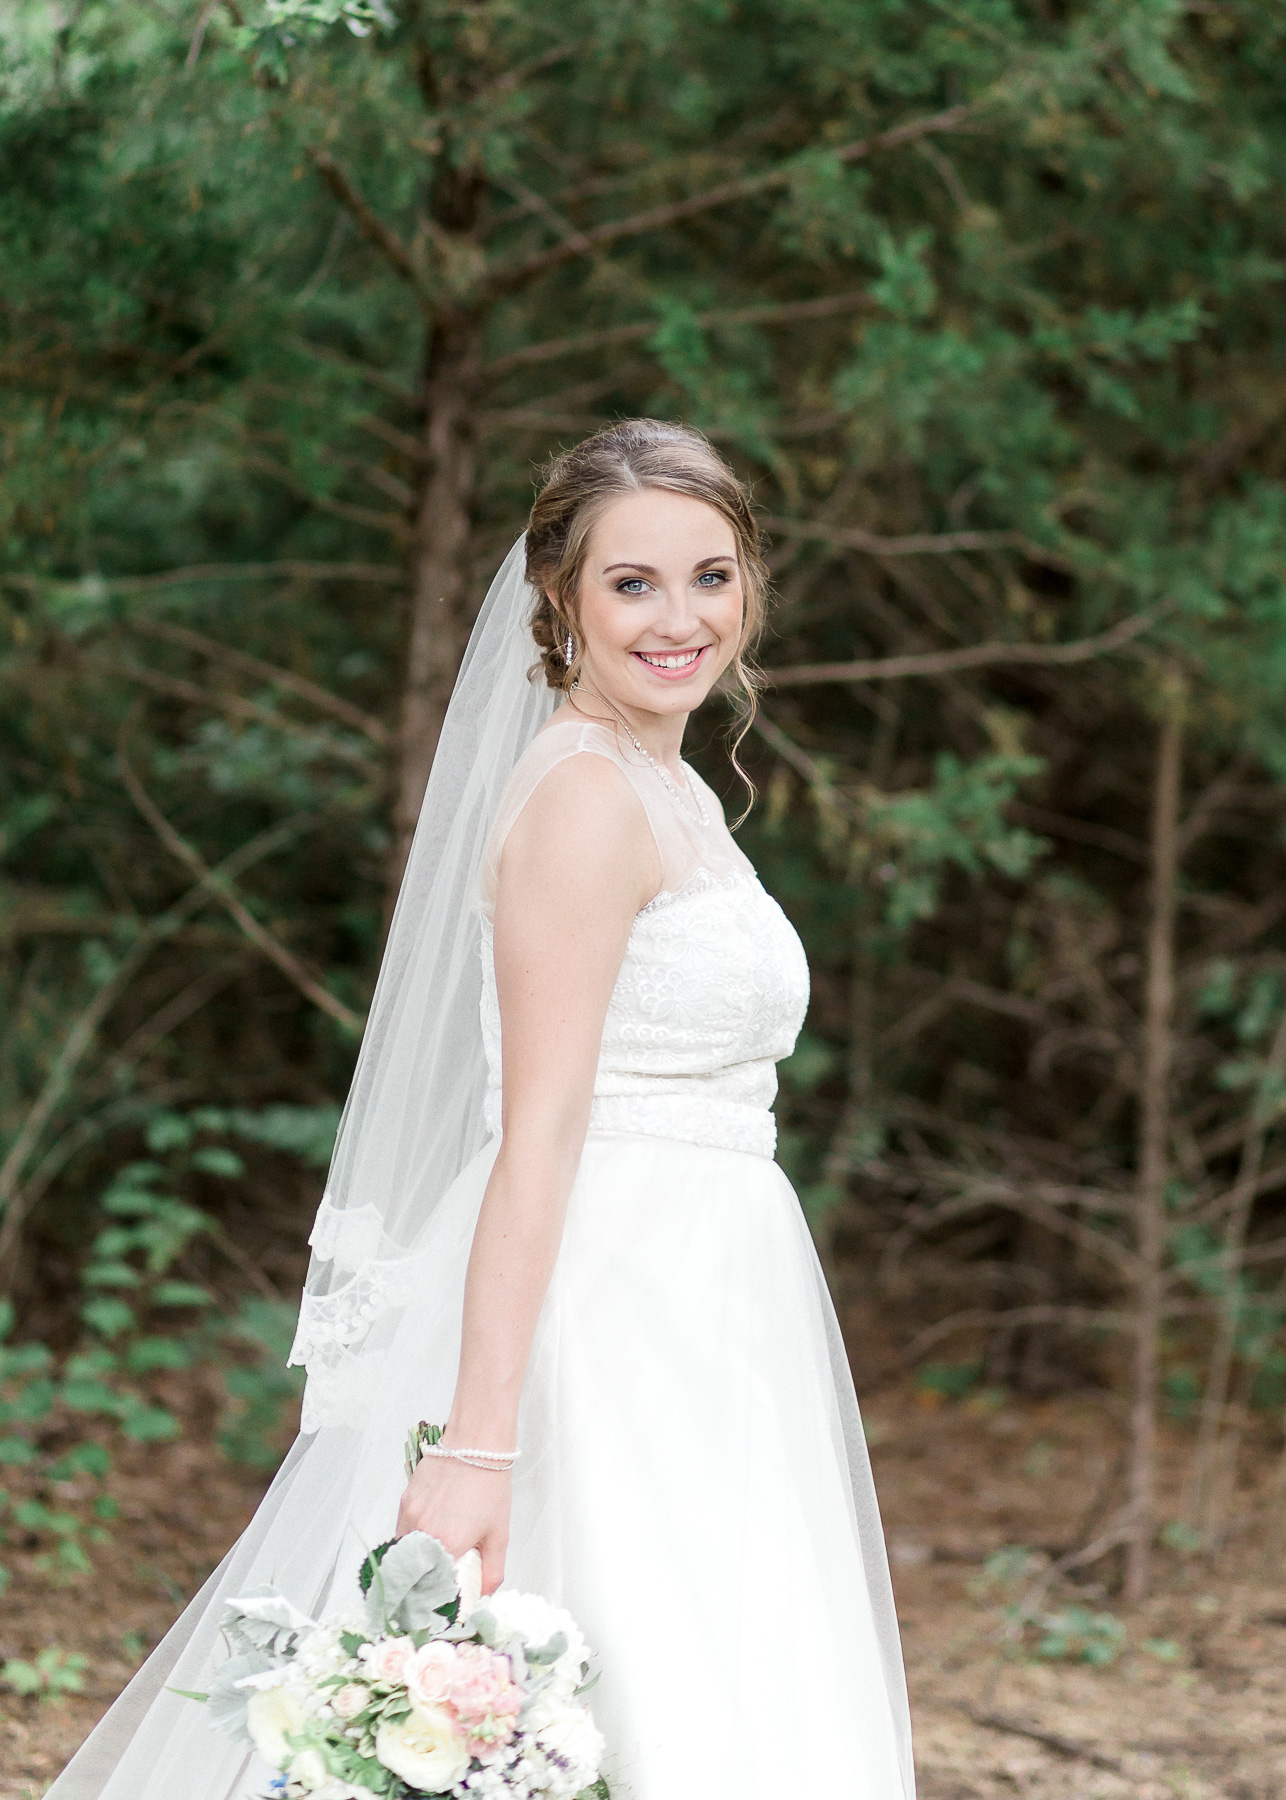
(308, 1771)
(270, 1714)
(423, 1749)
(341, 1790)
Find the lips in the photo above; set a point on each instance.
(671, 665)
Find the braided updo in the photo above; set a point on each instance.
(621, 459)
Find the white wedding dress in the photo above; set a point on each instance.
(693, 1483)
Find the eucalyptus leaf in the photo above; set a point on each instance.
(415, 1578)
(227, 1701)
(539, 1655)
(264, 1620)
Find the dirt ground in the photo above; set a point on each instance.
(1192, 1707)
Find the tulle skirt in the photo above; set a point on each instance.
(693, 1487)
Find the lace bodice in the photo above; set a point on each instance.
(714, 983)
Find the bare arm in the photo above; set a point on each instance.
(575, 869)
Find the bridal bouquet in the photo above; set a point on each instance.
(425, 1690)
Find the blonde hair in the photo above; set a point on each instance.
(627, 458)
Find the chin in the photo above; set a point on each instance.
(662, 699)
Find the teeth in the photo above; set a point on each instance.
(672, 662)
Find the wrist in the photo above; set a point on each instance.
(494, 1428)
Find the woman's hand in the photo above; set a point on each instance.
(463, 1508)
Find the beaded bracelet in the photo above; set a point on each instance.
(499, 1461)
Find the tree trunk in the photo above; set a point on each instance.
(1154, 1132)
(1203, 1509)
(438, 618)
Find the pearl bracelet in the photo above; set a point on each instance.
(499, 1461)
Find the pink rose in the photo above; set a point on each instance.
(484, 1697)
(389, 1659)
(349, 1700)
(430, 1673)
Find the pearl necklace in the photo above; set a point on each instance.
(684, 802)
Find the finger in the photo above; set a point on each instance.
(493, 1563)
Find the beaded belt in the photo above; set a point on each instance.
(691, 1118)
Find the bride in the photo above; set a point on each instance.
(553, 1218)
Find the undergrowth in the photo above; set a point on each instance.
(64, 1417)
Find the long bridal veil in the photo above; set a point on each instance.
(413, 1120)
(414, 1112)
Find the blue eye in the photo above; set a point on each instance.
(633, 584)
(713, 577)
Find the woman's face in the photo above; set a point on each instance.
(661, 603)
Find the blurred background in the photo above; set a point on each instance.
(984, 299)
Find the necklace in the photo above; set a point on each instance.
(685, 802)
(689, 804)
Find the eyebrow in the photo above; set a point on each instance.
(647, 569)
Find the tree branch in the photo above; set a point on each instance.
(1071, 1748)
(175, 685)
(657, 217)
(850, 537)
(803, 764)
(1090, 1318)
(198, 36)
(610, 335)
(76, 1044)
(393, 523)
(123, 586)
(219, 886)
(972, 656)
(284, 678)
(369, 223)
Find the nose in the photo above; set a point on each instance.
(677, 620)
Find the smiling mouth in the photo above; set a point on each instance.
(669, 662)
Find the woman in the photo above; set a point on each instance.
(617, 1283)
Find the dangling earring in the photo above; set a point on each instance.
(569, 650)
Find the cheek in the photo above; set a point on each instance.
(604, 621)
(727, 620)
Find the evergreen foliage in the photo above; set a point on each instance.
(983, 298)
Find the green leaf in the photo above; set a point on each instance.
(92, 1397)
(108, 1316)
(34, 1402)
(15, 1450)
(157, 1353)
(217, 1161)
(111, 1274)
(82, 1459)
(169, 1131)
(180, 1293)
(23, 1359)
(307, 1132)
(149, 1424)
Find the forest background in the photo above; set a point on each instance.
(983, 297)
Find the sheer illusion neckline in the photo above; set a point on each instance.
(685, 843)
(687, 798)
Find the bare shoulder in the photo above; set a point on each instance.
(585, 817)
